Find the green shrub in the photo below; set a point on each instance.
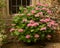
(33, 23)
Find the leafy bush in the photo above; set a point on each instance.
(2, 3)
(2, 24)
(3, 36)
(32, 24)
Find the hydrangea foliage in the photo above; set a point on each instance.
(33, 23)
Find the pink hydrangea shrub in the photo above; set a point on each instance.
(34, 24)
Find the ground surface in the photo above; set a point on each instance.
(18, 45)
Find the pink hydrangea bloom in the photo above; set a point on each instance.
(42, 20)
(40, 13)
(28, 14)
(47, 19)
(48, 36)
(52, 23)
(49, 11)
(37, 8)
(28, 36)
(49, 25)
(32, 21)
(20, 30)
(44, 8)
(33, 11)
(24, 20)
(12, 29)
(37, 15)
(35, 24)
(44, 28)
(36, 36)
(56, 24)
(54, 27)
(28, 25)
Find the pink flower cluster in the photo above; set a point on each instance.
(45, 20)
(44, 28)
(44, 8)
(20, 30)
(28, 14)
(48, 36)
(37, 8)
(24, 20)
(28, 36)
(49, 11)
(32, 23)
(50, 23)
(38, 14)
(53, 24)
(12, 29)
(33, 11)
(36, 36)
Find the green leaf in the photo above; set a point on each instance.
(12, 34)
(21, 8)
(42, 36)
(21, 37)
(16, 33)
(28, 41)
(35, 40)
(42, 25)
(32, 30)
